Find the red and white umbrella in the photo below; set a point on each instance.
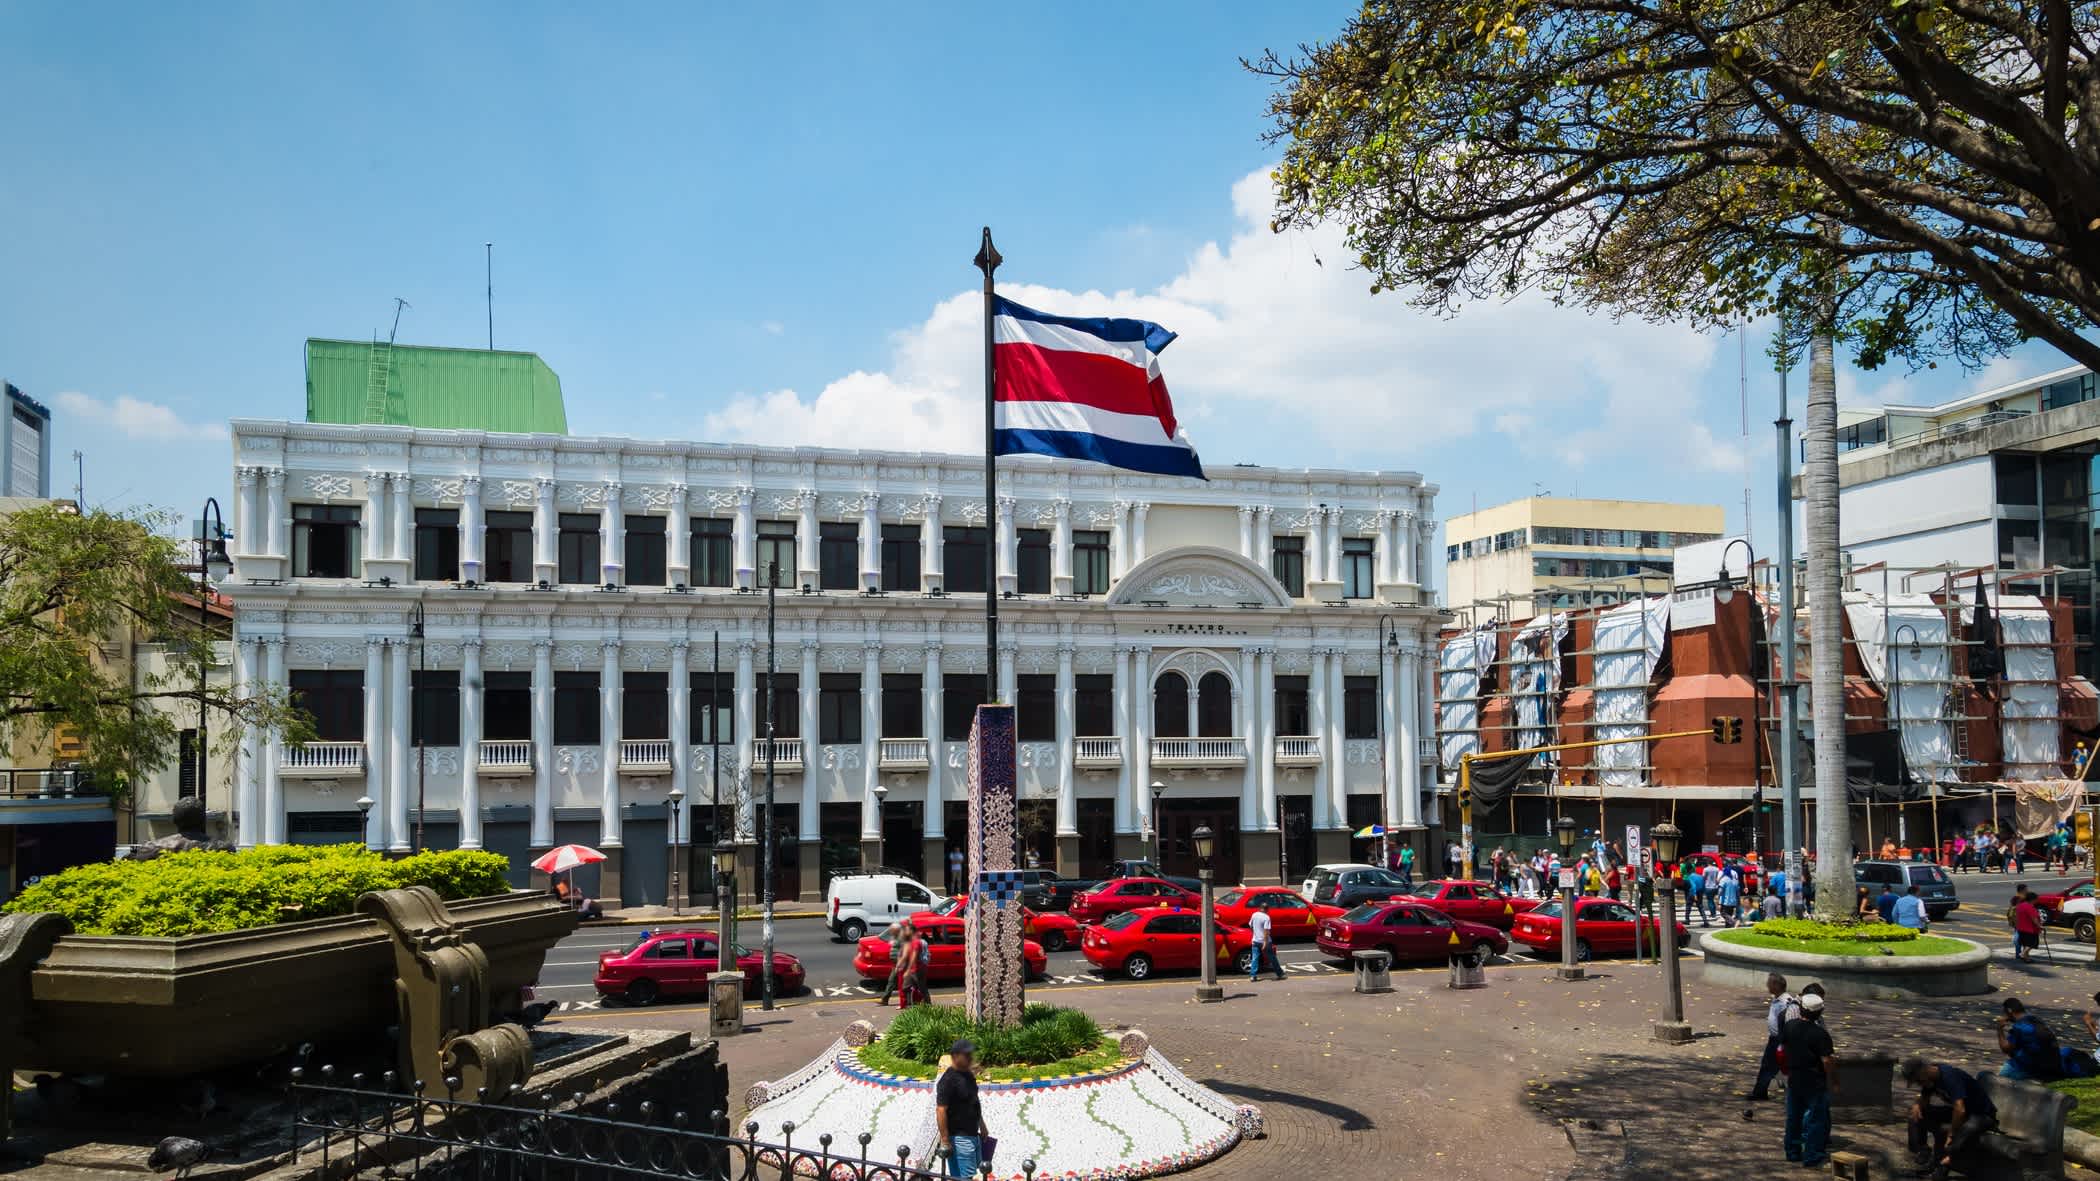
(563, 858)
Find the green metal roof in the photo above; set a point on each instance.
(458, 389)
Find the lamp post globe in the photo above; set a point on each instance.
(882, 795)
(1564, 834)
(1672, 1029)
(725, 890)
(1205, 843)
(674, 803)
(364, 814)
(1159, 845)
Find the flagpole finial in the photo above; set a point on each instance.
(987, 259)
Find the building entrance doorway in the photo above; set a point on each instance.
(1178, 821)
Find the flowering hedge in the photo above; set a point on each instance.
(200, 892)
(1811, 929)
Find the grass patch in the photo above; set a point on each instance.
(1855, 932)
(1854, 948)
(2086, 1116)
(1049, 1041)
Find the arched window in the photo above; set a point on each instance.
(1214, 706)
(1170, 706)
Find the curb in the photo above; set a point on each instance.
(697, 916)
(2082, 1147)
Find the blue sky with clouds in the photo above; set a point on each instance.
(734, 224)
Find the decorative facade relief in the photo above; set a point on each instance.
(328, 488)
(577, 760)
(441, 491)
(838, 757)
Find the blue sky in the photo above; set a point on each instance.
(757, 225)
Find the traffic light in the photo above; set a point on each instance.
(2082, 827)
(1728, 731)
(1758, 800)
(1465, 795)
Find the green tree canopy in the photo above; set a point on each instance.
(1933, 164)
(75, 588)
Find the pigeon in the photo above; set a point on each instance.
(179, 1153)
(537, 1012)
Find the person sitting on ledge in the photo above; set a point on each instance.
(584, 907)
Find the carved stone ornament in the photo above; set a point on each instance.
(442, 992)
(327, 488)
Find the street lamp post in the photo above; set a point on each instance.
(1159, 844)
(882, 796)
(675, 798)
(725, 893)
(212, 566)
(415, 631)
(1672, 1027)
(1564, 833)
(1206, 841)
(364, 816)
(768, 835)
(1389, 641)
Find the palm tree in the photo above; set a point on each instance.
(1819, 478)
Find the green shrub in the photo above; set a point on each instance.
(1816, 929)
(199, 892)
(922, 1033)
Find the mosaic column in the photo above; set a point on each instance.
(994, 973)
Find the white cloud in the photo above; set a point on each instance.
(1285, 357)
(135, 418)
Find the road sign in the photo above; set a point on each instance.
(1567, 879)
(1709, 848)
(1633, 841)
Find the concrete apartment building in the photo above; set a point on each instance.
(1546, 552)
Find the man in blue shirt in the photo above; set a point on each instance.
(1886, 903)
(1951, 1112)
(1731, 895)
(2031, 1053)
(1910, 911)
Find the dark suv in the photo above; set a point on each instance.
(1348, 887)
(1935, 888)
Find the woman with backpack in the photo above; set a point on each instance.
(917, 954)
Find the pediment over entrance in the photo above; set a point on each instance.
(1199, 576)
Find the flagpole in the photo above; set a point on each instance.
(988, 261)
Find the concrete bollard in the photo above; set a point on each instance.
(725, 1004)
(1372, 971)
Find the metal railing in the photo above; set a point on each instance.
(1298, 748)
(645, 754)
(785, 750)
(48, 783)
(506, 756)
(1199, 750)
(350, 1129)
(322, 759)
(904, 752)
(1102, 751)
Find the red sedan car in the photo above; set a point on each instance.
(2054, 900)
(1121, 894)
(674, 963)
(1408, 930)
(871, 960)
(1473, 902)
(1290, 915)
(1054, 931)
(1138, 943)
(1602, 926)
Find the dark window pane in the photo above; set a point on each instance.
(963, 551)
(838, 709)
(714, 708)
(1214, 706)
(645, 705)
(506, 706)
(646, 551)
(437, 545)
(900, 557)
(186, 764)
(1170, 706)
(434, 715)
(576, 550)
(1293, 706)
(902, 712)
(961, 694)
(336, 700)
(1287, 563)
(1359, 707)
(507, 539)
(1032, 564)
(838, 555)
(324, 540)
(1094, 711)
(787, 704)
(1035, 707)
(714, 562)
(776, 553)
(2016, 479)
(1089, 562)
(576, 709)
(1357, 574)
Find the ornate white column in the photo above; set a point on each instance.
(1247, 532)
(1248, 695)
(870, 738)
(1138, 552)
(1194, 700)
(375, 518)
(812, 745)
(1404, 546)
(473, 531)
(1009, 542)
(745, 729)
(1118, 540)
(1392, 684)
(247, 510)
(544, 566)
(1424, 528)
(543, 742)
(1067, 720)
(1331, 524)
(1139, 757)
(930, 546)
(1408, 735)
(247, 766)
(272, 752)
(746, 538)
(1265, 750)
(1061, 547)
(609, 715)
(470, 742)
(1264, 535)
(1315, 548)
(279, 524)
(1126, 725)
(404, 497)
(871, 541)
(1330, 762)
(679, 545)
(682, 724)
(1383, 560)
(398, 747)
(612, 538)
(376, 835)
(1009, 653)
(1338, 779)
(933, 823)
(808, 569)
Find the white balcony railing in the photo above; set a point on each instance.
(645, 754)
(1297, 750)
(323, 760)
(787, 752)
(1105, 751)
(1425, 750)
(1196, 752)
(506, 756)
(904, 752)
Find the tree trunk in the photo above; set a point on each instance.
(1819, 477)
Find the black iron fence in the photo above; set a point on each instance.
(346, 1127)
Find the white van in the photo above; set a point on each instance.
(859, 902)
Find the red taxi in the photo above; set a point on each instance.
(946, 941)
(1406, 929)
(673, 963)
(1054, 931)
(1473, 902)
(1121, 894)
(1290, 915)
(1602, 927)
(1140, 942)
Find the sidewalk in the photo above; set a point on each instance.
(651, 916)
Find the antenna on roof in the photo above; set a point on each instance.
(399, 303)
(488, 274)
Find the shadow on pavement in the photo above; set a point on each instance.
(1350, 1119)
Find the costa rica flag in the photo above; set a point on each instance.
(1085, 388)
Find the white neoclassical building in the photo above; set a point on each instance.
(509, 641)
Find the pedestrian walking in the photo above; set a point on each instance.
(1811, 1071)
(1711, 889)
(1961, 853)
(2026, 923)
(1731, 897)
(959, 1118)
(918, 955)
(1452, 856)
(1695, 900)
(1784, 1007)
(1264, 946)
(898, 940)
(1407, 865)
(955, 873)
(1498, 867)
(1951, 1113)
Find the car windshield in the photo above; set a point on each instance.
(1363, 913)
(1229, 898)
(1549, 911)
(1425, 889)
(1117, 922)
